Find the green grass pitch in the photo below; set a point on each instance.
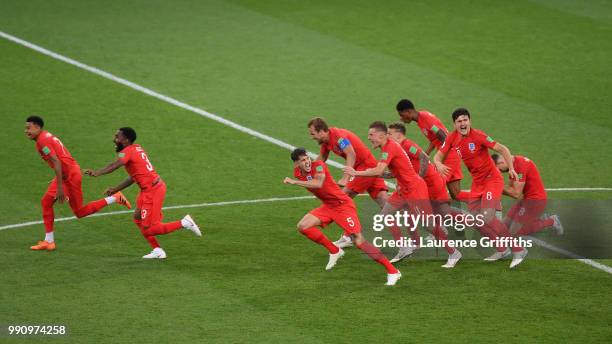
(535, 74)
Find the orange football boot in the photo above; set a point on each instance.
(121, 199)
(43, 245)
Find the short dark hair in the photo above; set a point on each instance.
(404, 105)
(297, 153)
(460, 112)
(398, 126)
(379, 125)
(129, 133)
(36, 120)
(318, 123)
(495, 157)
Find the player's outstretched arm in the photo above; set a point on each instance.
(514, 189)
(351, 157)
(370, 172)
(505, 152)
(105, 170)
(430, 148)
(438, 162)
(124, 184)
(423, 164)
(315, 183)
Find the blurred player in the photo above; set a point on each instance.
(66, 185)
(473, 146)
(436, 134)
(357, 155)
(411, 193)
(524, 217)
(337, 207)
(148, 213)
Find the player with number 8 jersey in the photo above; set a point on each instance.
(148, 213)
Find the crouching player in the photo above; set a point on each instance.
(524, 217)
(148, 213)
(337, 207)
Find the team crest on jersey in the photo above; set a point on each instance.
(309, 178)
(471, 147)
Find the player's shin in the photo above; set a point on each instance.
(317, 236)
(376, 255)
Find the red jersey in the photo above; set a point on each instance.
(138, 166)
(330, 193)
(339, 139)
(399, 164)
(528, 173)
(49, 146)
(414, 152)
(474, 150)
(430, 125)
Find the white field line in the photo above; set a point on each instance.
(188, 107)
(199, 205)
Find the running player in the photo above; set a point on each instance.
(436, 134)
(357, 155)
(524, 217)
(337, 207)
(412, 190)
(148, 213)
(473, 145)
(66, 185)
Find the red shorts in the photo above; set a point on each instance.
(372, 185)
(436, 188)
(486, 194)
(527, 210)
(72, 188)
(416, 199)
(150, 202)
(453, 161)
(344, 216)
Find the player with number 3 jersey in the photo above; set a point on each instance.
(148, 213)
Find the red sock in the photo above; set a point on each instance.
(47, 212)
(90, 208)
(502, 231)
(463, 196)
(375, 254)
(317, 236)
(440, 235)
(150, 238)
(490, 233)
(535, 226)
(164, 228)
(396, 232)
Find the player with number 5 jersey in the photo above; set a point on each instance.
(148, 213)
(337, 207)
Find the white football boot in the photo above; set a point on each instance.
(453, 259)
(403, 253)
(393, 278)
(333, 259)
(344, 241)
(157, 253)
(188, 223)
(557, 225)
(497, 256)
(518, 258)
